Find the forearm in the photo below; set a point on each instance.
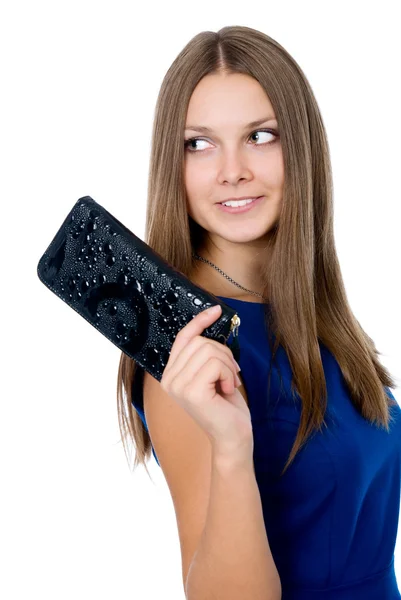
(233, 560)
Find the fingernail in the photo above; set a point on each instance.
(238, 367)
(214, 309)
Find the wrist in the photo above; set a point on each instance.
(229, 457)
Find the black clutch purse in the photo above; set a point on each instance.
(125, 289)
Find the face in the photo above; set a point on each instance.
(234, 159)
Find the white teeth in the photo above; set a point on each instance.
(238, 202)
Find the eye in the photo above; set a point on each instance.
(271, 132)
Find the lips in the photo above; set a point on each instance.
(238, 199)
(241, 209)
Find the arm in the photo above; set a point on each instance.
(233, 560)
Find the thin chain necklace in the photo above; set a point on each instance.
(227, 277)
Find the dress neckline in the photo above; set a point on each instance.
(242, 301)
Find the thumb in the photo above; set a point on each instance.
(194, 328)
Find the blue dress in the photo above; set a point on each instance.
(332, 518)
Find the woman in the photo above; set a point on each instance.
(286, 480)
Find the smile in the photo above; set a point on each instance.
(241, 209)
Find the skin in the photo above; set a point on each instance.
(231, 161)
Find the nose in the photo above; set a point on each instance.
(234, 165)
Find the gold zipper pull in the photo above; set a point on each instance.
(235, 347)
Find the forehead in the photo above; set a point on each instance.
(227, 102)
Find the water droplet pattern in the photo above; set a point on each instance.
(124, 288)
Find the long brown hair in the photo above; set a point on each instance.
(306, 292)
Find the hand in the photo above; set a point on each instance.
(201, 377)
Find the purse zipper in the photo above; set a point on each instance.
(235, 348)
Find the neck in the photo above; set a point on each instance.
(210, 278)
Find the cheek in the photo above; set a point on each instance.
(196, 176)
(279, 169)
(198, 185)
(271, 171)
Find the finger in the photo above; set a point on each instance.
(195, 327)
(198, 396)
(176, 363)
(212, 374)
(191, 360)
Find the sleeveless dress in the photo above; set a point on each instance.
(332, 518)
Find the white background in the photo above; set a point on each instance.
(79, 82)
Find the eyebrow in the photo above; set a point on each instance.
(251, 124)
